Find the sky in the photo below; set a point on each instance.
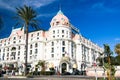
(97, 20)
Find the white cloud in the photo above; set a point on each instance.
(16, 3)
(45, 15)
(5, 6)
(100, 6)
(117, 39)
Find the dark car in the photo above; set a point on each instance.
(76, 72)
(66, 73)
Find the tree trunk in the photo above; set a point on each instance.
(26, 46)
(109, 72)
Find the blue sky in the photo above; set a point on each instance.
(97, 20)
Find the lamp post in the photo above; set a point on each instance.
(95, 67)
(103, 67)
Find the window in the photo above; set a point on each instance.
(30, 52)
(53, 24)
(57, 31)
(63, 55)
(14, 38)
(3, 50)
(57, 22)
(8, 42)
(36, 45)
(31, 35)
(19, 40)
(18, 57)
(14, 41)
(53, 32)
(52, 55)
(7, 54)
(67, 32)
(62, 19)
(20, 37)
(62, 35)
(8, 49)
(19, 48)
(31, 46)
(52, 43)
(63, 49)
(54, 19)
(37, 34)
(53, 36)
(35, 56)
(18, 53)
(30, 57)
(52, 50)
(63, 42)
(36, 50)
(62, 31)
(8, 39)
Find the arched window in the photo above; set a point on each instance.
(13, 48)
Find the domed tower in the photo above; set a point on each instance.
(60, 26)
(59, 43)
(59, 19)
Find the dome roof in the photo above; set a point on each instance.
(59, 19)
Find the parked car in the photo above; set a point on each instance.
(76, 72)
(66, 73)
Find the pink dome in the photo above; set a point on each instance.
(59, 19)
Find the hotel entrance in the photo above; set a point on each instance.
(63, 67)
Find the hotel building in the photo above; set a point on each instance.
(61, 46)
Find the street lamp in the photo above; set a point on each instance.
(83, 66)
(95, 67)
(103, 66)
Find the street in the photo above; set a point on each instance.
(70, 77)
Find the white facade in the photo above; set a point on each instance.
(59, 46)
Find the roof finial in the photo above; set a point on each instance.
(59, 5)
(59, 12)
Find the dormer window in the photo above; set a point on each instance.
(20, 37)
(62, 19)
(37, 34)
(57, 22)
(54, 19)
(53, 24)
(31, 35)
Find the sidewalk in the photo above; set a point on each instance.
(9, 76)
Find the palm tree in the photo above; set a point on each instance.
(26, 15)
(108, 66)
(42, 63)
(107, 52)
(117, 49)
